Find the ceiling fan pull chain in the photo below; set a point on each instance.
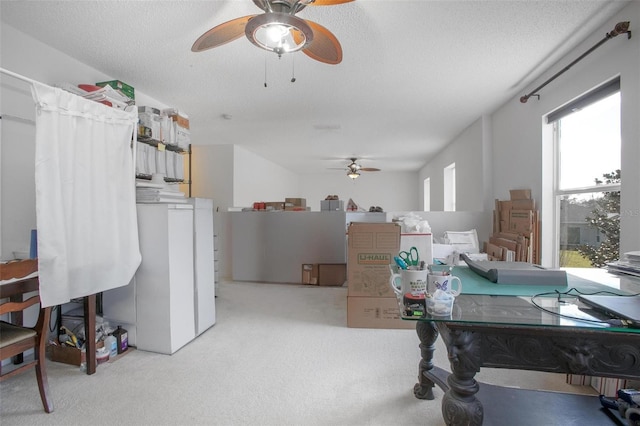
(265, 71)
(293, 69)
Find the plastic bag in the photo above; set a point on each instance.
(412, 223)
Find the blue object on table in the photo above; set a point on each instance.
(401, 263)
(33, 249)
(410, 257)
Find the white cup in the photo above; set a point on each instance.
(445, 283)
(409, 281)
(440, 303)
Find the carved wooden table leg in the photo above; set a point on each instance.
(459, 404)
(428, 334)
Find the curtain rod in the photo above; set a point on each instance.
(25, 79)
(620, 28)
(16, 118)
(19, 76)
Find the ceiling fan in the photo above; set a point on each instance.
(279, 30)
(354, 169)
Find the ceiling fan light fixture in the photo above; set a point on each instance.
(278, 32)
(353, 175)
(275, 32)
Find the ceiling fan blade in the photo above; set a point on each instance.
(221, 34)
(368, 169)
(328, 2)
(325, 46)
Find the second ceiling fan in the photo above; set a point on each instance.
(278, 30)
(354, 169)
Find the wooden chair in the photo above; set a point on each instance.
(15, 338)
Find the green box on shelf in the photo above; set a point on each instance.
(123, 88)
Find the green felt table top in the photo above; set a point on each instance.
(473, 283)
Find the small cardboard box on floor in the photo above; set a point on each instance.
(332, 274)
(310, 273)
(324, 274)
(371, 303)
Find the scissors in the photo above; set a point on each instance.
(401, 263)
(410, 257)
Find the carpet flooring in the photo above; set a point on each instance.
(279, 354)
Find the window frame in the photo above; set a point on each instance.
(426, 194)
(553, 119)
(449, 189)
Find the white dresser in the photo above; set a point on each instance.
(171, 298)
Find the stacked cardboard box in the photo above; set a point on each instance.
(296, 204)
(310, 273)
(324, 274)
(289, 204)
(331, 205)
(268, 205)
(516, 229)
(371, 303)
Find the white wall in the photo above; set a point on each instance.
(389, 190)
(18, 214)
(518, 151)
(494, 154)
(33, 59)
(510, 148)
(257, 179)
(212, 173)
(212, 177)
(469, 152)
(235, 177)
(232, 176)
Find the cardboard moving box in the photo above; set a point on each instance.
(375, 312)
(518, 221)
(331, 205)
(310, 273)
(297, 202)
(332, 274)
(520, 194)
(371, 249)
(324, 274)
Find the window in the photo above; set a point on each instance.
(427, 194)
(587, 178)
(573, 235)
(450, 188)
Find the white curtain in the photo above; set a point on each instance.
(85, 196)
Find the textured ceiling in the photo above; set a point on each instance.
(414, 73)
